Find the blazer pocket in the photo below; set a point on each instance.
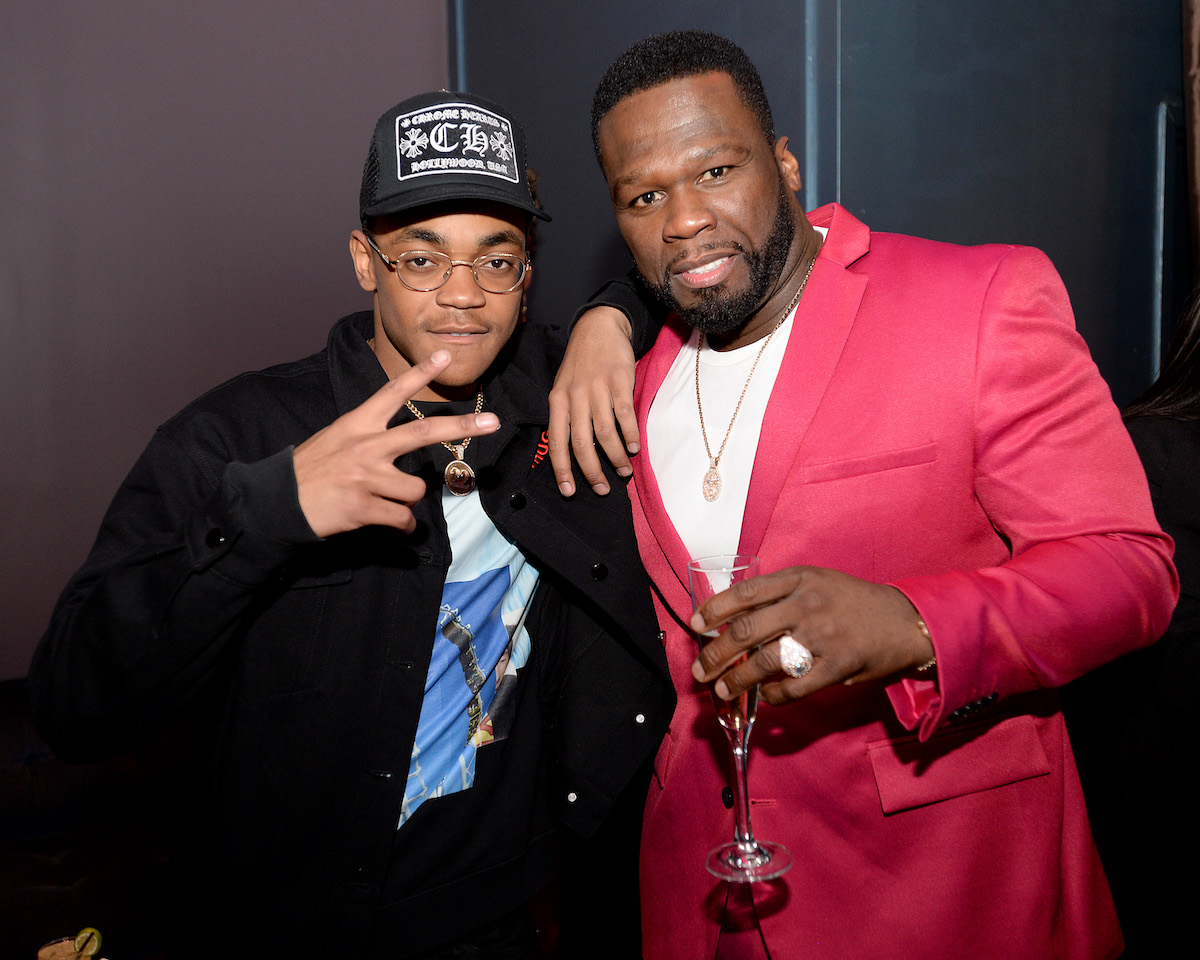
(966, 760)
(870, 463)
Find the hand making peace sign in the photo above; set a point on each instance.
(346, 474)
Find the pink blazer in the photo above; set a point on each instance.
(939, 425)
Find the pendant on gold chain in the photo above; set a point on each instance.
(460, 478)
(711, 487)
(712, 483)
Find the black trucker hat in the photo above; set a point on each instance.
(445, 146)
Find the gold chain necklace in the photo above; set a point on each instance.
(460, 478)
(711, 487)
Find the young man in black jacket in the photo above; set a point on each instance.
(417, 653)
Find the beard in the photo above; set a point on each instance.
(722, 312)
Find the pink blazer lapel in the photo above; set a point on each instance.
(822, 325)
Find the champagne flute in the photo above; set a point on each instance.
(744, 860)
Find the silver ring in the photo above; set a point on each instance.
(795, 659)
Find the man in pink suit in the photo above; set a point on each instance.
(951, 518)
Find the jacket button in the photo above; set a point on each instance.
(214, 538)
(640, 718)
(599, 571)
(727, 798)
(517, 501)
(572, 797)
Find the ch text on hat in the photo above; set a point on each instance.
(455, 138)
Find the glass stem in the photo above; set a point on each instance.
(739, 747)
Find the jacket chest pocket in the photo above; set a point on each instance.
(872, 463)
(961, 761)
(286, 648)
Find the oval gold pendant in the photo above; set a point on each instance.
(712, 485)
(460, 478)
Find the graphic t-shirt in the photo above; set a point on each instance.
(480, 643)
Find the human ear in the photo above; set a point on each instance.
(364, 262)
(789, 166)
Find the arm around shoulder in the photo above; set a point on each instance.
(628, 296)
(592, 399)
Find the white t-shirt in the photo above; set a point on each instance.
(675, 443)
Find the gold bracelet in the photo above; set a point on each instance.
(932, 661)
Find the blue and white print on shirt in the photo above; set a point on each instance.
(479, 645)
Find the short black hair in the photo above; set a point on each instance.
(670, 56)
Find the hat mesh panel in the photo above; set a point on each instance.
(370, 180)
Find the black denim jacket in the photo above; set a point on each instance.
(206, 583)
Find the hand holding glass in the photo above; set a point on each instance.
(745, 860)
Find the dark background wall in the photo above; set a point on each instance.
(178, 182)
(1027, 121)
